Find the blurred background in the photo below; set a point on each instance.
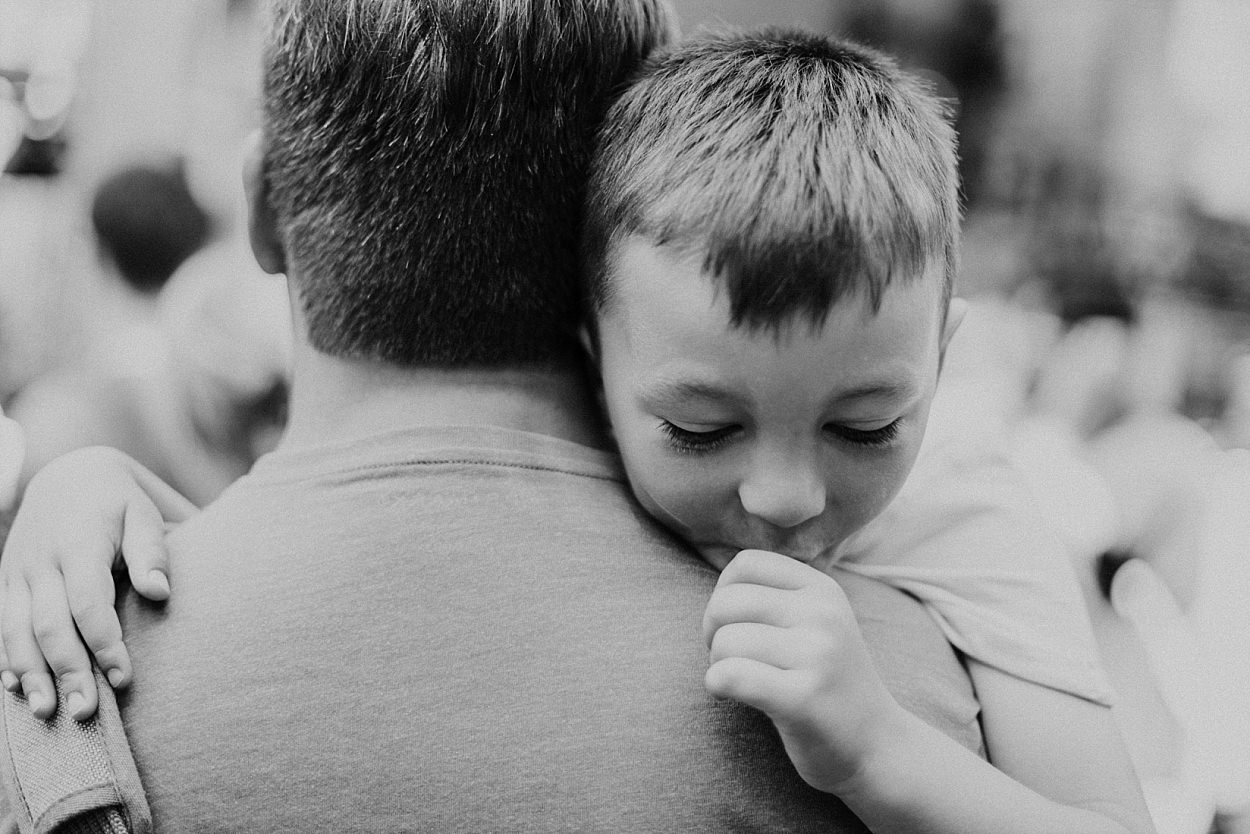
(1106, 186)
(1102, 142)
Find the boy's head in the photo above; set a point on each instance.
(146, 223)
(771, 240)
(798, 169)
(424, 169)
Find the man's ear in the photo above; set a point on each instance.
(955, 312)
(262, 222)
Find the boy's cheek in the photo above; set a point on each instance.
(683, 503)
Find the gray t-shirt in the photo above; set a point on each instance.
(465, 630)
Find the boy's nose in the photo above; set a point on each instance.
(784, 496)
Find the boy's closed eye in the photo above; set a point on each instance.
(708, 437)
(698, 438)
(872, 436)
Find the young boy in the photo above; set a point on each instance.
(770, 246)
(770, 243)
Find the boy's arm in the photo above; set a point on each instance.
(81, 516)
(1059, 765)
(783, 639)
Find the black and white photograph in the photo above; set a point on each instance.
(637, 416)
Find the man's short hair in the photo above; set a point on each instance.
(800, 168)
(426, 161)
(147, 222)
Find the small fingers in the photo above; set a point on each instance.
(750, 682)
(91, 593)
(776, 647)
(744, 603)
(27, 671)
(60, 644)
(7, 679)
(169, 503)
(143, 548)
(762, 567)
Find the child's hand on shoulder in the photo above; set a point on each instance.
(783, 639)
(85, 514)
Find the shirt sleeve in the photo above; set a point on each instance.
(965, 537)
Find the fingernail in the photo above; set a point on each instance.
(159, 579)
(38, 701)
(75, 703)
(9, 680)
(116, 678)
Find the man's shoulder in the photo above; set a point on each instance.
(418, 507)
(459, 483)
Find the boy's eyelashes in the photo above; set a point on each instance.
(690, 441)
(685, 440)
(878, 437)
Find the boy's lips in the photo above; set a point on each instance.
(800, 552)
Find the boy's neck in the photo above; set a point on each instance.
(335, 399)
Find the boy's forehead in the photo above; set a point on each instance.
(635, 265)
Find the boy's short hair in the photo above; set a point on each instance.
(798, 167)
(147, 222)
(426, 162)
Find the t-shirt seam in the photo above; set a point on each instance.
(530, 467)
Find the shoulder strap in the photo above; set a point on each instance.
(71, 777)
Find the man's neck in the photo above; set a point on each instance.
(335, 399)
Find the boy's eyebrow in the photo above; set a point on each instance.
(674, 390)
(885, 390)
(677, 390)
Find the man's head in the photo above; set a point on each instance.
(771, 242)
(146, 223)
(424, 169)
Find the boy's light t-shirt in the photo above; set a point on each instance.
(965, 537)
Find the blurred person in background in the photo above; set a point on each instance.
(160, 376)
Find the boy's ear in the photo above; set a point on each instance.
(589, 337)
(590, 342)
(262, 222)
(955, 312)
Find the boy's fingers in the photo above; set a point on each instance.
(81, 697)
(748, 681)
(742, 603)
(143, 548)
(40, 694)
(7, 678)
(26, 662)
(170, 504)
(91, 594)
(20, 649)
(58, 639)
(753, 641)
(762, 567)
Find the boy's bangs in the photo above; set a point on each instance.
(781, 256)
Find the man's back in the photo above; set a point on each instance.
(462, 630)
